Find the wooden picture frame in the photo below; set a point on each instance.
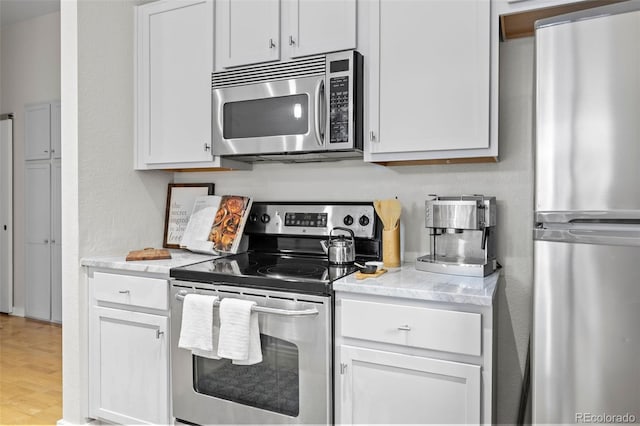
(180, 199)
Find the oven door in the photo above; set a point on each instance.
(273, 117)
(291, 385)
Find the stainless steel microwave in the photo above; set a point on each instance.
(307, 109)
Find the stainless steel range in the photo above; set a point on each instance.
(287, 274)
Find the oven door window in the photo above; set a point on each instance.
(277, 116)
(271, 385)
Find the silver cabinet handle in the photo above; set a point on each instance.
(53, 241)
(207, 147)
(404, 328)
(272, 44)
(46, 150)
(124, 291)
(291, 40)
(159, 333)
(343, 368)
(372, 136)
(46, 241)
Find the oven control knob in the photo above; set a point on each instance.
(348, 220)
(253, 218)
(364, 220)
(265, 218)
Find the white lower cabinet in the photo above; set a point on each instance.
(129, 349)
(405, 361)
(388, 387)
(43, 273)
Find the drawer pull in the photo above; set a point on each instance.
(124, 291)
(404, 328)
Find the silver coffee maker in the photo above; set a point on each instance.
(462, 235)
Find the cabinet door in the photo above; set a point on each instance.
(250, 31)
(37, 132)
(56, 242)
(429, 91)
(392, 388)
(56, 146)
(175, 59)
(319, 26)
(6, 216)
(128, 367)
(37, 240)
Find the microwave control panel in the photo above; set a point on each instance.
(339, 109)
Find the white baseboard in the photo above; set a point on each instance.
(63, 422)
(17, 312)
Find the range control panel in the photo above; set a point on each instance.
(311, 219)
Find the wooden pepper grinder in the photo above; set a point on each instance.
(389, 212)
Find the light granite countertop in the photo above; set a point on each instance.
(162, 266)
(408, 282)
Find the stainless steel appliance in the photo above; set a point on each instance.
(307, 109)
(586, 334)
(288, 275)
(462, 231)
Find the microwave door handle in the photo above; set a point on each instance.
(321, 114)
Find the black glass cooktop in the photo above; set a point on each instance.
(306, 274)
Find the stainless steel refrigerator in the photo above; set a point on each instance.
(586, 319)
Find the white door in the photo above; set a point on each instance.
(37, 240)
(56, 242)
(250, 31)
(176, 61)
(6, 216)
(391, 388)
(129, 367)
(37, 132)
(430, 91)
(320, 26)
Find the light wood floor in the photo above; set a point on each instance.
(30, 372)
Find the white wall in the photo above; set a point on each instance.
(30, 73)
(510, 180)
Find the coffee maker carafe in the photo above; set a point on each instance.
(462, 232)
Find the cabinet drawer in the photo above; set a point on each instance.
(441, 330)
(130, 290)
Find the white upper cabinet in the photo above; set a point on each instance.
(251, 31)
(430, 80)
(37, 132)
(173, 85)
(56, 131)
(256, 31)
(318, 26)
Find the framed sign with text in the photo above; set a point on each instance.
(180, 199)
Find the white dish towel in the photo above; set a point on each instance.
(239, 332)
(200, 328)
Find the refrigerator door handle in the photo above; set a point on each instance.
(589, 236)
(589, 216)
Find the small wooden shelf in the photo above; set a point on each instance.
(521, 24)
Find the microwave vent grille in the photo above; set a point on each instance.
(305, 67)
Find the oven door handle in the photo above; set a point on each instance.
(265, 310)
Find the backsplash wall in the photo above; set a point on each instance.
(510, 180)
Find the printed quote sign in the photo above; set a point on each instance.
(180, 199)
